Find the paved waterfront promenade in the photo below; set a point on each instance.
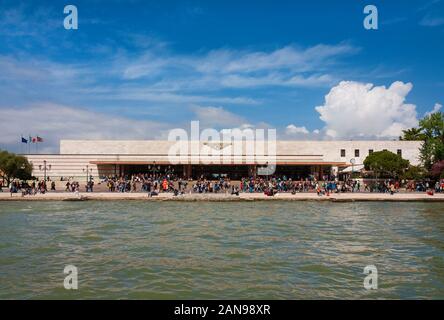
(68, 196)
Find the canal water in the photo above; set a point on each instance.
(224, 250)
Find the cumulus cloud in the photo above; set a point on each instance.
(292, 129)
(436, 108)
(295, 132)
(358, 110)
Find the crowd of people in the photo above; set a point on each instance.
(222, 185)
(424, 186)
(153, 184)
(282, 184)
(72, 186)
(32, 188)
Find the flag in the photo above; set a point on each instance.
(24, 140)
(34, 140)
(39, 139)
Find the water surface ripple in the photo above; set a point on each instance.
(207, 250)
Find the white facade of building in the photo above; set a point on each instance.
(109, 157)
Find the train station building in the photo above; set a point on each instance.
(78, 159)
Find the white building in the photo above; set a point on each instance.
(293, 158)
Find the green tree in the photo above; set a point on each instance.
(13, 166)
(414, 173)
(413, 134)
(386, 164)
(432, 150)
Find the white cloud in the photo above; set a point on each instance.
(311, 81)
(130, 68)
(292, 129)
(286, 66)
(436, 108)
(30, 69)
(92, 82)
(288, 57)
(54, 122)
(141, 94)
(218, 117)
(359, 110)
(157, 75)
(276, 79)
(294, 132)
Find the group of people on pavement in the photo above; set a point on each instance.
(153, 184)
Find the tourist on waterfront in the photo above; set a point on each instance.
(72, 186)
(89, 186)
(26, 189)
(439, 186)
(42, 187)
(12, 188)
(392, 189)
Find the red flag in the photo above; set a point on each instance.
(34, 140)
(39, 139)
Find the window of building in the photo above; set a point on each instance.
(342, 152)
(370, 151)
(356, 152)
(399, 152)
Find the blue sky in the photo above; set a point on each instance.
(135, 69)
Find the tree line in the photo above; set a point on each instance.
(430, 131)
(14, 166)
